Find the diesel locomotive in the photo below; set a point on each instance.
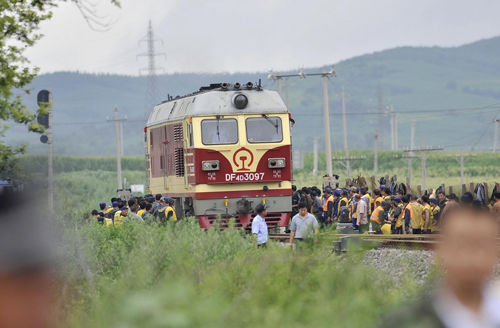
(220, 151)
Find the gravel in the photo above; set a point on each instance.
(403, 264)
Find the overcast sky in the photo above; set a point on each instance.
(258, 35)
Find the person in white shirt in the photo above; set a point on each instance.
(259, 226)
(466, 296)
(304, 225)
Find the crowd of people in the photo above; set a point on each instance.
(383, 210)
(147, 209)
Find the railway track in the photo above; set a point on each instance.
(342, 242)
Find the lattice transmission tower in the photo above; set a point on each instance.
(151, 70)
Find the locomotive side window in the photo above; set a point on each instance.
(219, 131)
(264, 129)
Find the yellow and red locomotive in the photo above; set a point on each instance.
(221, 151)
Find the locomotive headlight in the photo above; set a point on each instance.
(240, 101)
(276, 163)
(210, 166)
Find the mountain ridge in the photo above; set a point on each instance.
(413, 79)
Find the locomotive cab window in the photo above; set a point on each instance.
(219, 131)
(264, 129)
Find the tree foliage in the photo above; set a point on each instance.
(19, 24)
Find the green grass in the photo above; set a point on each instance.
(182, 276)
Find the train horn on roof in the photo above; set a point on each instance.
(249, 85)
(224, 85)
(237, 85)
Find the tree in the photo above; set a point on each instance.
(19, 24)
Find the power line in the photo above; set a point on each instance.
(477, 110)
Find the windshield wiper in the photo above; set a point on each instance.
(271, 121)
(218, 134)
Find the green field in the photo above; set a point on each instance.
(181, 276)
(95, 176)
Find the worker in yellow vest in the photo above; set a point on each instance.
(142, 209)
(435, 214)
(169, 211)
(114, 207)
(327, 207)
(398, 215)
(342, 207)
(379, 217)
(352, 207)
(120, 215)
(370, 205)
(416, 215)
(426, 215)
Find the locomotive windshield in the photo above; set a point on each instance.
(219, 131)
(264, 129)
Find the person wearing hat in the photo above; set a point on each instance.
(259, 226)
(110, 214)
(103, 207)
(435, 214)
(113, 207)
(120, 215)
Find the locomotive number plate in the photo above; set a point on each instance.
(242, 177)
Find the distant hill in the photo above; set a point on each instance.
(453, 93)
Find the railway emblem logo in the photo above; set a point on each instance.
(242, 159)
(211, 176)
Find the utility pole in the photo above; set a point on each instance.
(326, 120)
(344, 160)
(392, 123)
(326, 116)
(315, 160)
(117, 120)
(396, 133)
(461, 159)
(411, 155)
(346, 148)
(424, 167)
(121, 138)
(423, 157)
(380, 104)
(375, 153)
(495, 140)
